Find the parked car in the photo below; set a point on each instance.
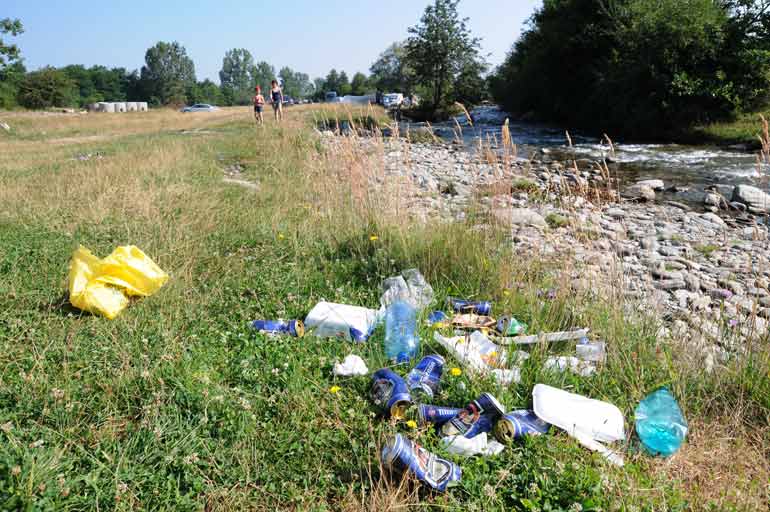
(200, 107)
(392, 100)
(331, 97)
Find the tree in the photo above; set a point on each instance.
(343, 85)
(205, 92)
(390, 71)
(332, 82)
(439, 48)
(319, 88)
(11, 68)
(9, 53)
(167, 73)
(47, 87)
(264, 73)
(646, 68)
(359, 85)
(238, 76)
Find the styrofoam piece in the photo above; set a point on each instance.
(591, 422)
(330, 320)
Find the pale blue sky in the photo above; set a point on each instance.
(311, 36)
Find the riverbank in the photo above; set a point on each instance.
(178, 404)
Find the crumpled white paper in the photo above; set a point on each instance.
(352, 366)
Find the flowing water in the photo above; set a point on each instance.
(691, 169)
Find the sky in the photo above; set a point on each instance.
(311, 36)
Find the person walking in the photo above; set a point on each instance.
(277, 96)
(259, 105)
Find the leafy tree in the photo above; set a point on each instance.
(47, 87)
(360, 84)
(332, 82)
(10, 79)
(167, 73)
(264, 73)
(469, 87)
(319, 88)
(205, 92)
(9, 53)
(438, 50)
(648, 68)
(390, 71)
(295, 84)
(11, 68)
(343, 86)
(238, 76)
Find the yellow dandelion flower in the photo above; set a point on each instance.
(374, 238)
(411, 424)
(455, 372)
(506, 293)
(334, 390)
(280, 236)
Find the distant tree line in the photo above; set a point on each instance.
(639, 67)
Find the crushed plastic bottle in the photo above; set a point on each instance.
(401, 341)
(660, 424)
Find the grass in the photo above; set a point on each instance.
(744, 129)
(177, 405)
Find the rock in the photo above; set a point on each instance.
(520, 217)
(756, 200)
(679, 205)
(712, 199)
(643, 192)
(657, 185)
(616, 213)
(693, 283)
(649, 243)
(713, 218)
(735, 205)
(671, 284)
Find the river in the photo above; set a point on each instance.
(687, 171)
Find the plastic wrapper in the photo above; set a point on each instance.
(103, 286)
(410, 287)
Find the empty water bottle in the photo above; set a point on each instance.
(401, 341)
(660, 424)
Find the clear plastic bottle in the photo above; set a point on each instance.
(401, 340)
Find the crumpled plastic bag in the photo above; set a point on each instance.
(410, 287)
(660, 424)
(103, 286)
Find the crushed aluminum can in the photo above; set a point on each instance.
(466, 306)
(390, 394)
(517, 424)
(291, 327)
(402, 454)
(478, 416)
(425, 377)
(434, 414)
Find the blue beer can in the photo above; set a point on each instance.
(291, 327)
(402, 454)
(425, 377)
(517, 424)
(467, 306)
(390, 394)
(434, 414)
(478, 416)
(437, 319)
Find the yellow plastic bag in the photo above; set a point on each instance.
(104, 286)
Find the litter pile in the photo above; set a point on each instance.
(481, 344)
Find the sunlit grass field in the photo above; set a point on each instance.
(178, 405)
